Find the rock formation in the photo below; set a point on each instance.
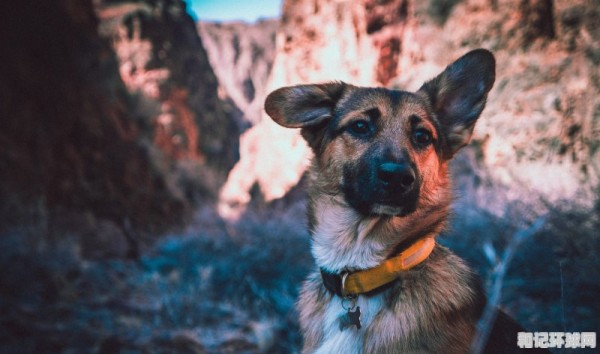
(69, 131)
(161, 58)
(241, 55)
(111, 125)
(538, 133)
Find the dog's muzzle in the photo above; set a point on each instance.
(386, 188)
(396, 178)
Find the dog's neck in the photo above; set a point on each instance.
(344, 240)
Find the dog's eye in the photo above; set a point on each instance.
(360, 127)
(422, 136)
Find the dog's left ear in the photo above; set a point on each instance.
(458, 96)
(309, 107)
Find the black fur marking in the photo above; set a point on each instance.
(363, 190)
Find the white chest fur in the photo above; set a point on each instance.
(349, 340)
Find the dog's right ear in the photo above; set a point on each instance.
(305, 106)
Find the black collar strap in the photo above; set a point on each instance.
(332, 282)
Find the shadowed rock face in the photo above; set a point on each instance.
(541, 119)
(70, 133)
(110, 117)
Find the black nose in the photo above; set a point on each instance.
(396, 176)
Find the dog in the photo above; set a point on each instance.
(378, 195)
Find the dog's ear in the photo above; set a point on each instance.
(458, 96)
(305, 106)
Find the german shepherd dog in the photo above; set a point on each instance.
(379, 194)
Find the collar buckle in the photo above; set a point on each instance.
(344, 275)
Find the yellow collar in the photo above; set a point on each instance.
(364, 281)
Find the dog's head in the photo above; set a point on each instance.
(386, 150)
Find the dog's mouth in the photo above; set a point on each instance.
(391, 210)
(373, 201)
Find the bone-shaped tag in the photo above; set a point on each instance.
(350, 318)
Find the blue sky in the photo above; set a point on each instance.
(227, 10)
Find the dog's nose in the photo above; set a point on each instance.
(396, 176)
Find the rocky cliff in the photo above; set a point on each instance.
(111, 125)
(69, 131)
(241, 55)
(538, 133)
(162, 59)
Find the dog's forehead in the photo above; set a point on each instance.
(389, 103)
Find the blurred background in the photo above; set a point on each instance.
(148, 205)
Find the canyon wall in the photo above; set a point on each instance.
(241, 55)
(539, 132)
(69, 133)
(162, 59)
(111, 125)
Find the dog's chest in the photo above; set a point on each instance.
(350, 339)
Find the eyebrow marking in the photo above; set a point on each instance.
(373, 113)
(415, 119)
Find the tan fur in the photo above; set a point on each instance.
(432, 308)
